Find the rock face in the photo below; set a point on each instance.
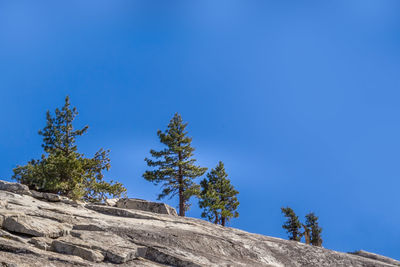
(140, 204)
(374, 256)
(14, 187)
(38, 230)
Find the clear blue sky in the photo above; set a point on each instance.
(300, 100)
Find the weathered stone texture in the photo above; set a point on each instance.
(14, 187)
(35, 226)
(140, 204)
(44, 230)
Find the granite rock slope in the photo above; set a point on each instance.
(47, 230)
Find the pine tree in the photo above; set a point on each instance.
(174, 166)
(62, 169)
(312, 223)
(292, 224)
(218, 197)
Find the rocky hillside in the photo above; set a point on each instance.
(39, 229)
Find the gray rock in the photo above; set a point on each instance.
(15, 247)
(41, 242)
(72, 249)
(49, 196)
(112, 202)
(4, 203)
(118, 212)
(140, 204)
(114, 248)
(35, 226)
(159, 256)
(13, 253)
(73, 203)
(38, 232)
(14, 187)
(88, 227)
(9, 236)
(374, 256)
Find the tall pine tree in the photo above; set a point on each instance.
(218, 197)
(174, 167)
(62, 169)
(312, 223)
(292, 224)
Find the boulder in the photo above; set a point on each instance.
(48, 196)
(14, 187)
(140, 204)
(112, 202)
(35, 226)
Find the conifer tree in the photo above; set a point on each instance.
(174, 167)
(292, 224)
(218, 197)
(62, 169)
(312, 223)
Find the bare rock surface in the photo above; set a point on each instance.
(39, 230)
(14, 187)
(48, 196)
(35, 226)
(140, 204)
(374, 256)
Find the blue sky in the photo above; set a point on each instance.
(299, 100)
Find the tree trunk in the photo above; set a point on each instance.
(181, 196)
(306, 234)
(216, 221)
(181, 199)
(223, 221)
